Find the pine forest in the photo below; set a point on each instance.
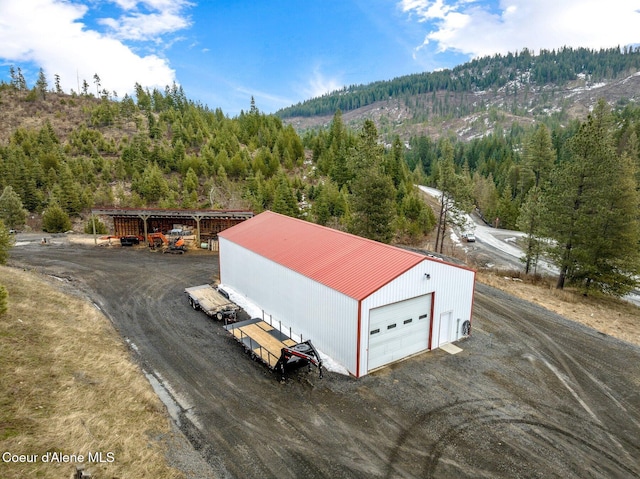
(572, 186)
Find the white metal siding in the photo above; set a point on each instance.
(454, 294)
(446, 328)
(452, 290)
(398, 330)
(330, 318)
(311, 309)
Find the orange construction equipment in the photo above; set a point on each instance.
(156, 240)
(159, 240)
(176, 246)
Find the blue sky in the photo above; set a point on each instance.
(285, 51)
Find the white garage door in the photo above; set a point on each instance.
(398, 330)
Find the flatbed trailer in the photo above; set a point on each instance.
(273, 347)
(214, 302)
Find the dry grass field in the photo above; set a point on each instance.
(69, 387)
(608, 315)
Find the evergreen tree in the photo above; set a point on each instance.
(284, 200)
(372, 200)
(337, 131)
(507, 210)
(368, 153)
(13, 76)
(320, 207)
(6, 243)
(58, 88)
(373, 206)
(189, 199)
(152, 185)
(592, 211)
(612, 262)
(55, 219)
(143, 97)
(21, 83)
(41, 84)
(96, 80)
(538, 155)
(68, 192)
(539, 158)
(529, 221)
(12, 212)
(94, 225)
(191, 182)
(339, 170)
(417, 215)
(394, 162)
(485, 195)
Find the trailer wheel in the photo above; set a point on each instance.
(193, 304)
(219, 316)
(302, 348)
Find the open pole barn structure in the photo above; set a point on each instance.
(140, 222)
(364, 303)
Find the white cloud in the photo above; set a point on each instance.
(319, 84)
(470, 27)
(138, 24)
(52, 35)
(262, 98)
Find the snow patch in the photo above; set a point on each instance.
(172, 407)
(132, 345)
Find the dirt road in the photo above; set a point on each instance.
(531, 395)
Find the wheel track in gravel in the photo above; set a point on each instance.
(570, 366)
(543, 348)
(578, 377)
(163, 339)
(400, 422)
(472, 415)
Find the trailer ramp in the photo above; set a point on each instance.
(273, 347)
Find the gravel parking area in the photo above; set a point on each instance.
(531, 395)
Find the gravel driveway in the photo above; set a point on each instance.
(531, 395)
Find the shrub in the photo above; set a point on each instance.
(101, 229)
(55, 219)
(6, 242)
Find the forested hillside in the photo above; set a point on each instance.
(483, 95)
(62, 154)
(572, 186)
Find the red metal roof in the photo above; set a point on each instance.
(350, 264)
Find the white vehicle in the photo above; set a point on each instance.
(469, 237)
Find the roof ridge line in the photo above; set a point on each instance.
(360, 238)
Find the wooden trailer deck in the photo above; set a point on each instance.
(262, 339)
(208, 299)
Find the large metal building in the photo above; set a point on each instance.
(364, 303)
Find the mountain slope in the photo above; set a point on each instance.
(482, 95)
